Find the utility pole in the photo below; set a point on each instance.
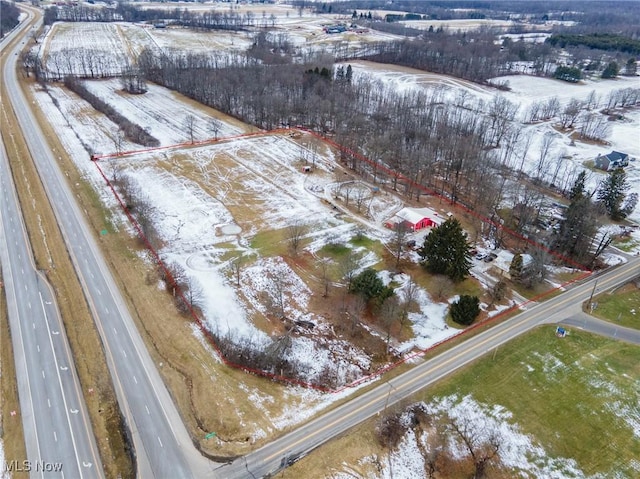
(592, 292)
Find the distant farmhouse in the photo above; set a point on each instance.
(414, 219)
(612, 161)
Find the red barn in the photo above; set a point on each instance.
(415, 219)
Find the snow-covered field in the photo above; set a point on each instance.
(210, 200)
(518, 452)
(98, 49)
(255, 185)
(623, 135)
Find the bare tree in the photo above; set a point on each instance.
(324, 266)
(356, 309)
(361, 194)
(409, 297)
(570, 113)
(389, 313)
(118, 141)
(592, 100)
(295, 234)
(348, 267)
(398, 243)
(236, 268)
(214, 126)
(545, 147)
(346, 189)
(189, 124)
(442, 287)
(482, 443)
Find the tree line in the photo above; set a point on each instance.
(128, 12)
(9, 15)
(600, 41)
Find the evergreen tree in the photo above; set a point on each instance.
(349, 74)
(611, 193)
(447, 251)
(516, 267)
(578, 188)
(630, 204)
(465, 310)
(370, 286)
(611, 71)
(577, 229)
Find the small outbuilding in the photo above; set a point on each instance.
(415, 219)
(612, 161)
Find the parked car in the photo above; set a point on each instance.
(490, 257)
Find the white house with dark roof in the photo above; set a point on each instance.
(612, 161)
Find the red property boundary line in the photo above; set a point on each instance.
(379, 372)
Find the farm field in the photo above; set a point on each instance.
(234, 198)
(563, 408)
(221, 207)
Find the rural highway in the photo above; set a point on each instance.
(162, 444)
(296, 444)
(57, 431)
(58, 435)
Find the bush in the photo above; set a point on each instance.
(571, 74)
(465, 310)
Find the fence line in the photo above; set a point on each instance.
(285, 379)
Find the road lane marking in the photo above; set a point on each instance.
(55, 436)
(38, 347)
(124, 353)
(160, 441)
(43, 373)
(49, 402)
(145, 406)
(135, 380)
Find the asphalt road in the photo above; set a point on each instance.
(58, 434)
(603, 328)
(296, 444)
(160, 438)
(56, 425)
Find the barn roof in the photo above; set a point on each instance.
(415, 215)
